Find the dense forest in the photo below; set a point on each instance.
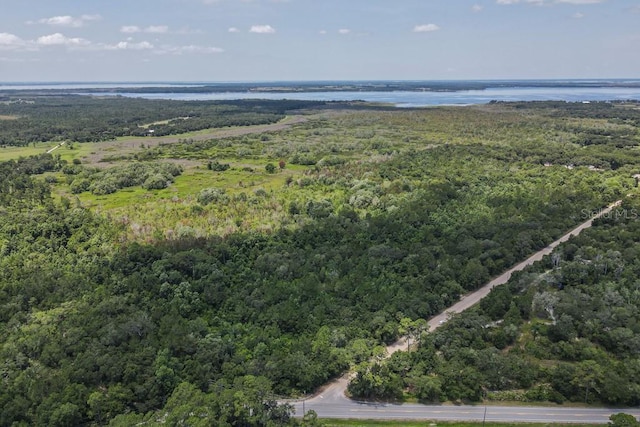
(565, 329)
(105, 319)
(83, 119)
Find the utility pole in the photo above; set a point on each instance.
(484, 418)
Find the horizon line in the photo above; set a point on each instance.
(57, 82)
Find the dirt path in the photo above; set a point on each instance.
(334, 391)
(55, 148)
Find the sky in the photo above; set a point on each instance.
(278, 40)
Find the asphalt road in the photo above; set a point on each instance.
(331, 402)
(384, 411)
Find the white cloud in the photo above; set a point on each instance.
(322, 32)
(191, 49)
(128, 45)
(10, 41)
(152, 29)
(69, 21)
(233, 30)
(578, 15)
(130, 29)
(477, 8)
(344, 31)
(262, 29)
(507, 1)
(58, 39)
(425, 28)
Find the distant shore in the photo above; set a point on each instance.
(308, 86)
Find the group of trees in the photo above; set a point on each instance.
(88, 119)
(149, 175)
(98, 329)
(565, 329)
(114, 330)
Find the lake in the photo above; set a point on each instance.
(400, 98)
(419, 99)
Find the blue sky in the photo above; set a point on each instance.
(266, 40)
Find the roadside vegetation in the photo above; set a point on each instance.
(217, 274)
(562, 330)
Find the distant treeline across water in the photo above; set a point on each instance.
(400, 93)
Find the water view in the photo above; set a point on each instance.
(409, 99)
(399, 93)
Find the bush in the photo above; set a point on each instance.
(217, 166)
(210, 195)
(155, 182)
(319, 209)
(70, 170)
(302, 159)
(80, 186)
(100, 188)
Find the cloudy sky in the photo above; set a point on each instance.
(260, 40)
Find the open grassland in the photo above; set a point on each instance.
(12, 153)
(324, 156)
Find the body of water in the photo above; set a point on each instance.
(399, 98)
(418, 99)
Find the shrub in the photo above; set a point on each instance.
(107, 186)
(155, 182)
(217, 166)
(210, 195)
(80, 186)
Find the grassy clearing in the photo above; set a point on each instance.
(325, 155)
(93, 152)
(12, 153)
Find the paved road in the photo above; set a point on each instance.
(361, 410)
(331, 402)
